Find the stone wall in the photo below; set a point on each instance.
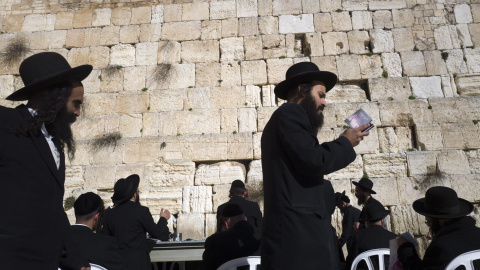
(181, 91)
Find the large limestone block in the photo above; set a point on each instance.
(201, 51)
(453, 162)
(257, 150)
(130, 34)
(434, 63)
(361, 20)
(358, 42)
(167, 100)
(99, 176)
(389, 88)
(467, 84)
(341, 21)
(150, 32)
(167, 198)
(165, 123)
(276, 69)
(443, 38)
(231, 49)
(281, 7)
(254, 72)
(132, 103)
(247, 120)
(387, 190)
(228, 120)
(403, 18)
(268, 25)
(268, 96)
(385, 165)
(38, 22)
(211, 30)
(221, 173)
(322, 22)
(122, 55)
(455, 62)
(227, 97)
(413, 63)
(413, 188)
(75, 38)
(274, 46)
(460, 135)
(388, 142)
(335, 43)
(370, 66)
(82, 18)
(210, 224)
(174, 173)
(63, 20)
(421, 162)
(146, 53)
(392, 64)
(253, 48)
(110, 35)
(348, 67)
(121, 16)
(429, 137)
(462, 13)
(157, 14)
(405, 219)
(198, 121)
(467, 186)
(222, 10)
(295, 24)
(178, 76)
(247, 8)
(169, 52)
(472, 57)
(255, 174)
(192, 225)
(474, 160)
(445, 110)
(336, 113)
(353, 170)
(190, 30)
(220, 195)
(346, 93)
(130, 125)
(172, 13)
(448, 86)
(195, 12)
(368, 146)
(403, 39)
(315, 43)
(240, 146)
(230, 27)
(197, 199)
(101, 16)
(382, 19)
(6, 85)
(379, 5)
(207, 74)
(330, 5)
(426, 87)
(248, 26)
(381, 41)
(134, 78)
(263, 115)
(111, 80)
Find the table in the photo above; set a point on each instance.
(177, 251)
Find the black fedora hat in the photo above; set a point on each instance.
(46, 69)
(339, 197)
(442, 202)
(366, 184)
(301, 73)
(125, 188)
(374, 211)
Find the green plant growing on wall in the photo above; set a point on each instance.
(15, 50)
(69, 201)
(365, 175)
(144, 89)
(106, 140)
(475, 122)
(444, 55)
(411, 97)
(385, 74)
(339, 10)
(111, 70)
(369, 54)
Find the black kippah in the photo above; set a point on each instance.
(87, 203)
(237, 184)
(232, 210)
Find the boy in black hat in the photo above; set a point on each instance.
(350, 216)
(293, 164)
(363, 192)
(238, 193)
(32, 162)
(96, 248)
(129, 222)
(453, 231)
(236, 242)
(374, 236)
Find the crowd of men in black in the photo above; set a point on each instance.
(294, 233)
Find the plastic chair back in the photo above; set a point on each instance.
(97, 267)
(466, 259)
(380, 252)
(253, 261)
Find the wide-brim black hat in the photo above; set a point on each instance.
(304, 72)
(366, 184)
(374, 211)
(339, 196)
(125, 188)
(442, 202)
(44, 70)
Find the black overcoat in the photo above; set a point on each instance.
(33, 221)
(350, 216)
(363, 214)
(95, 247)
(296, 230)
(251, 211)
(450, 241)
(129, 222)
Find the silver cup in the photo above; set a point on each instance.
(176, 237)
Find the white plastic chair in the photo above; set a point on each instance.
(96, 267)
(253, 261)
(380, 252)
(466, 259)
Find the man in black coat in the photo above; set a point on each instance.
(237, 241)
(453, 232)
(32, 162)
(350, 216)
(129, 222)
(296, 232)
(238, 192)
(363, 192)
(374, 236)
(97, 248)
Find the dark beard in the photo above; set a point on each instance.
(361, 198)
(435, 227)
(60, 129)
(137, 199)
(316, 119)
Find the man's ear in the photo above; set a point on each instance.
(96, 216)
(226, 224)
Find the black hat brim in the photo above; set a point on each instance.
(358, 184)
(466, 208)
(77, 73)
(380, 215)
(134, 181)
(328, 78)
(337, 200)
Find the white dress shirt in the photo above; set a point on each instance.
(48, 137)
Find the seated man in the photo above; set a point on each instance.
(129, 222)
(452, 230)
(96, 248)
(363, 192)
(374, 236)
(238, 241)
(238, 193)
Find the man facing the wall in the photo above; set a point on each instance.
(296, 231)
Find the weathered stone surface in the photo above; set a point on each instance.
(134, 78)
(395, 4)
(101, 17)
(191, 225)
(370, 66)
(247, 8)
(197, 199)
(281, 7)
(295, 24)
(174, 173)
(466, 186)
(404, 137)
(361, 20)
(434, 63)
(247, 120)
(354, 170)
(341, 21)
(146, 53)
(462, 13)
(38, 22)
(472, 58)
(322, 22)
(200, 51)
(64, 20)
(387, 190)
(358, 42)
(75, 38)
(99, 176)
(122, 55)
(219, 173)
(404, 219)
(195, 12)
(263, 115)
(467, 85)
(231, 49)
(248, 26)
(460, 135)
(392, 64)
(198, 121)
(230, 27)
(387, 138)
(381, 41)
(385, 165)
(220, 195)
(413, 188)
(453, 162)
(222, 10)
(211, 30)
(210, 224)
(421, 162)
(443, 38)
(335, 43)
(167, 198)
(130, 125)
(207, 74)
(273, 46)
(276, 68)
(382, 19)
(253, 72)
(403, 18)
(403, 39)
(461, 35)
(429, 137)
(455, 62)
(176, 31)
(389, 88)
(130, 34)
(426, 87)
(473, 160)
(346, 93)
(348, 67)
(413, 63)
(228, 120)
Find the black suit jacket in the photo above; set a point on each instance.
(96, 248)
(450, 241)
(129, 223)
(33, 222)
(297, 233)
(350, 216)
(363, 215)
(251, 211)
(224, 246)
(367, 239)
